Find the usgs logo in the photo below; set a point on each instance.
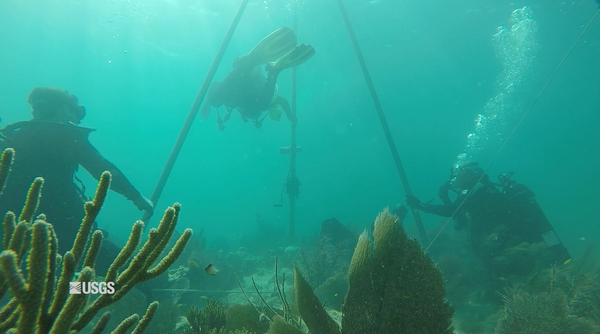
(91, 288)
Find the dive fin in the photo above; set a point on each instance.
(273, 46)
(293, 58)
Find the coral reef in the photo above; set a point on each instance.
(245, 317)
(280, 326)
(475, 301)
(394, 286)
(333, 291)
(241, 331)
(133, 302)
(224, 331)
(582, 289)
(580, 282)
(5, 162)
(211, 318)
(167, 319)
(267, 311)
(43, 304)
(543, 314)
(314, 315)
(329, 253)
(338, 234)
(215, 318)
(519, 259)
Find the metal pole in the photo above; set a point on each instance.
(384, 123)
(293, 183)
(194, 110)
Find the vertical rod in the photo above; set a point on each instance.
(292, 175)
(162, 181)
(384, 123)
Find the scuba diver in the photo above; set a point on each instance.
(499, 223)
(52, 145)
(247, 90)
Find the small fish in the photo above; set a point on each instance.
(193, 263)
(204, 297)
(211, 270)
(569, 260)
(335, 295)
(406, 297)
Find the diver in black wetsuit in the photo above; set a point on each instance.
(496, 221)
(53, 146)
(247, 90)
(484, 203)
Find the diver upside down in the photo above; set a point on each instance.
(246, 89)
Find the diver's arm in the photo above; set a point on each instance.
(269, 88)
(96, 164)
(443, 193)
(443, 210)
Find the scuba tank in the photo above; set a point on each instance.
(531, 219)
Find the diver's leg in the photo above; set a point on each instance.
(285, 105)
(205, 110)
(243, 116)
(268, 90)
(227, 114)
(220, 121)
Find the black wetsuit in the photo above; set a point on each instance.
(509, 217)
(247, 90)
(486, 205)
(54, 151)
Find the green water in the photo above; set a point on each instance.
(137, 66)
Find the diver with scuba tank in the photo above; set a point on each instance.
(248, 91)
(496, 220)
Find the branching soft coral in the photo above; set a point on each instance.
(541, 314)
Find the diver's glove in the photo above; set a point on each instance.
(144, 204)
(414, 202)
